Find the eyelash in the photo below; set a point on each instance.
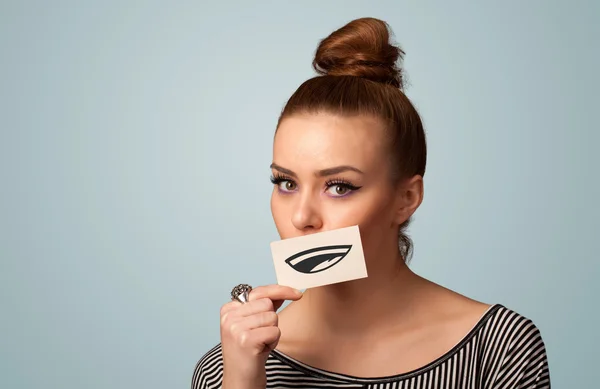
(279, 178)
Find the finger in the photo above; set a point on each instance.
(275, 292)
(230, 306)
(265, 337)
(263, 319)
(255, 306)
(271, 346)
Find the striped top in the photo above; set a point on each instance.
(504, 350)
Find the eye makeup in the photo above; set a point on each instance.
(339, 184)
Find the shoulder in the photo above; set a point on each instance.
(208, 372)
(512, 350)
(509, 328)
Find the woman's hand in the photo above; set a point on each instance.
(249, 332)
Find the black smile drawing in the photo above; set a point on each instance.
(318, 259)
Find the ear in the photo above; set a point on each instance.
(409, 195)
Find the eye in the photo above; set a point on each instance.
(340, 188)
(287, 186)
(284, 184)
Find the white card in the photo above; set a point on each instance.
(319, 259)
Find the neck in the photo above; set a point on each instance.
(356, 307)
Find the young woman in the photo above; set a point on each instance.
(350, 149)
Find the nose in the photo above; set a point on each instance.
(306, 215)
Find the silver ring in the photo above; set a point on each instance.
(241, 293)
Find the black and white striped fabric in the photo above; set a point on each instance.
(503, 351)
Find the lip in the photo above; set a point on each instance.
(318, 259)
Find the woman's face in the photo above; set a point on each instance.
(332, 172)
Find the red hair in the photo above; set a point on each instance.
(359, 75)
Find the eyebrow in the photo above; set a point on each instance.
(321, 173)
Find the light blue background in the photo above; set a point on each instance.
(134, 150)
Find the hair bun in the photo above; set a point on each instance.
(361, 48)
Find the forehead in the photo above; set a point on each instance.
(323, 140)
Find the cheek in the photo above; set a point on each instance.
(374, 218)
(376, 225)
(280, 214)
(370, 212)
